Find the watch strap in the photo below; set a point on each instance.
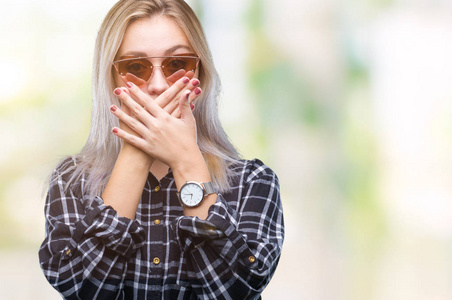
(208, 188)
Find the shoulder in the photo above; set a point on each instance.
(68, 178)
(67, 175)
(252, 170)
(64, 168)
(66, 163)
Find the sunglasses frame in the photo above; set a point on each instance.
(183, 55)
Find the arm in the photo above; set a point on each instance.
(236, 247)
(125, 186)
(165, 137)
(235, 251)
(84, 254)
(127, 180)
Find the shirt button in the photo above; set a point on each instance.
(252, 259)
(156, 221)
(67, 253)
(157, 188)
(156, 260)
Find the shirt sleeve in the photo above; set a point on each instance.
(85, 251)
(234, 252)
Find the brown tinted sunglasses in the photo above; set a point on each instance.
(139, 69)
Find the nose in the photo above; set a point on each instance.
(157, 84)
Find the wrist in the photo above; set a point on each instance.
(193, 168)
(136, 156)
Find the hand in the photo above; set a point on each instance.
(172, 105)
(168, 104)
(164, 102)
(160, 133)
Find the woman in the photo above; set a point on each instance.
(158, 204)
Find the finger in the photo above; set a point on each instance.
(132, 78)
(185, 110)
(176, 76)
(174, 104)
(125, 90)
(138, 100)
(124, 107)
(134, 107)
(172, 92)
(132, 123)
(190, 74)
(149, 104)
(130, 138)
(169, 105)
(192, 97)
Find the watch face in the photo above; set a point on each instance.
(191, 194)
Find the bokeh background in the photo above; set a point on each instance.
(349, 101)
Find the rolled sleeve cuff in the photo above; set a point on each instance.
(221, 223)
(119, 234)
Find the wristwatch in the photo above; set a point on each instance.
(192, 193)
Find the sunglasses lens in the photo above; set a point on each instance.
(137, 71)
(173, 64)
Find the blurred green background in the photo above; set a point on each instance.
(348, 101)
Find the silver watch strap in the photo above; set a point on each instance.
(208, 188)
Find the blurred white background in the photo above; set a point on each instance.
(348, 101)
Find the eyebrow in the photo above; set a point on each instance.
(144, 54)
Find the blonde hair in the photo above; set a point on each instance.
(101, 150)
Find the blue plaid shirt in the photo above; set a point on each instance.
(91, 253)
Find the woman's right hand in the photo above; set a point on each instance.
(169, 104)
(168, 100)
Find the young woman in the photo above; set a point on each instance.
(158, 204)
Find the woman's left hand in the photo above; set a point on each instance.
(165, 137)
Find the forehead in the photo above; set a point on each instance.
(156, 36)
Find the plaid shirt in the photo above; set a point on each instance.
(91, 253)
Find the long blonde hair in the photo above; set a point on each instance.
(101, 150)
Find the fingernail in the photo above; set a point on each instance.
(115, 130)
(113, 108)
(192, 106)
(129, 84)
(197, 91)
(185, 80)
(187, 95)
(195, 82)
(117, 92)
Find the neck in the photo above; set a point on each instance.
(159, 169)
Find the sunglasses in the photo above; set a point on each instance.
(139, 69)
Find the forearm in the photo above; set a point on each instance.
(127, 180)
(194, 169)
(87, 246)
(92, 276)
(229, 243)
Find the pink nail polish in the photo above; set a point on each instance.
(195, 82)
(129, 84)
(117, 92)
(113, 108)
(186, 80)
(192, 106)
(197, 91)
(115, 130)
